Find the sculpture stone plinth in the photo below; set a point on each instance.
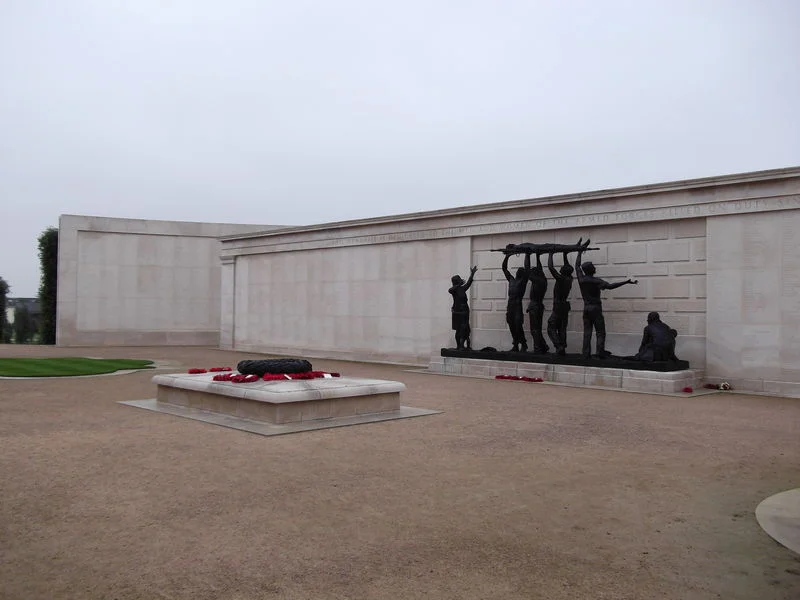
(610, 362)
(612, 372)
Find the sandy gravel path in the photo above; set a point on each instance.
(516, 491)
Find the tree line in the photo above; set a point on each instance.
(25, 329)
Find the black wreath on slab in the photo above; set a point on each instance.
(273, 365)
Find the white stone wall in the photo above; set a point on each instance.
(133, 282)
(382, 302)
(668, 258)
(654, 233)
(147, 282)
(754, 301)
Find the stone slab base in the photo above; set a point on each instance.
(280, 402)
(269, 429)
(626, 379)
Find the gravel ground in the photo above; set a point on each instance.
(517, 491)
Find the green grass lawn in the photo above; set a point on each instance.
(68, 366)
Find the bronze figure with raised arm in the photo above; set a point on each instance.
(460, 310)
(516, 293)
(536, 307)
(557, 323)
(591, 287)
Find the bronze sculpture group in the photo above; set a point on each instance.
(658, 343)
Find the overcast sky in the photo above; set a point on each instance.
(301, 112)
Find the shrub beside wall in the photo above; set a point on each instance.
(48, 258)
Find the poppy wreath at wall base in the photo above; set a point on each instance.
(519, 378)
(718, 386)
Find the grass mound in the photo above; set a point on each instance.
(68, 366)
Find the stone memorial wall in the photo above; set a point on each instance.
(754, 288)
(382, 302)
(136, 282)
(716, 257)
(678, 239)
